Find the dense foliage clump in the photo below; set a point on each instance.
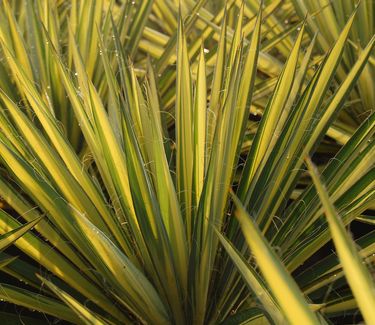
(168, 162)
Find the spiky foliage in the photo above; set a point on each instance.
(124, 127)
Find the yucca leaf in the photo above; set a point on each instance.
(8, 238)
(163, 60)
(87, 316)
(169, 204)
(85, 31)
(28, 212)
(184, 133)
(245, 92)
(366, 219)
(5, 261)
(214, 198)
(290, 140)
(24, 272)
(64, 149)
(11, 38)
(32, 244)
(339, 168)
(254, 281)
(72, 191)
(131, 166)
(357, 275)
(329, 269)
(335, 16)
(138, 23)
(113, 168)
(337, 306)
(282, 285)
(305, 245)
(246, 87)
(217, 84)
(130, 282)
(343, 92)
(172, 222)
(271, 116)
(200, 127)
(38, 302)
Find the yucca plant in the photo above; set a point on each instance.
(130, 142)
